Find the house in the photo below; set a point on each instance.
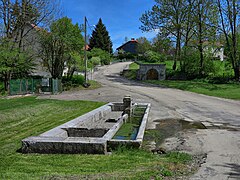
(31, 41)
(215, 49)
(39, 79)
(129, 47)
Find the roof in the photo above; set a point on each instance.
(36, 27)
(131, 41)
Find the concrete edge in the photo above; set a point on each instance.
(142, 127)
(111, 132)
(60, 129)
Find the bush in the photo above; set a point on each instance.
(152, 57)
(191, 65)
(105, 57)
(78, 80)
(128, 56)
(95, 61)
(75, 81)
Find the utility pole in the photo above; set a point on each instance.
(85, 47)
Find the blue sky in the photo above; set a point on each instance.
(121, 17)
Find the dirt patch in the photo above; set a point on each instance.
(168, 128)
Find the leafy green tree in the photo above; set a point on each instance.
(153, 57)
(229, 18)
(100, 38)
(143, 45)
(13, 62)
(104, 56)
(15, 15)
(17, 54)
(162, 45)
(168, 16)
(192, 61)
(60, 46)
(205, 18)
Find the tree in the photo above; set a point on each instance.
(100, 38)
(162, 45)
(60, 45)
(168, 16)
(229, 18)
(143, 45)
(13, 62)
(15, 16)
(104, 56)
(205, 19)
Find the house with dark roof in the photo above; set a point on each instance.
(129, 47)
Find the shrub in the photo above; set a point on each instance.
(95, 61)
(75, 81)
(191, 65)
(152, 57)
(104, 56)
(78, 79)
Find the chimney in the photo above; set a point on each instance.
(132, 39)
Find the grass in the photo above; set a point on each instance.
(93, 85)
(2, 91)
(133, 66)
(229, 91)
(24, 117)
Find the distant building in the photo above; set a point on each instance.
(129, 47)
(31, 41)
(215, 49)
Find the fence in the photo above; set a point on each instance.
(35, 86)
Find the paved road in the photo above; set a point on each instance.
(221, 145)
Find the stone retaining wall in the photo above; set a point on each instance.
(144, 72)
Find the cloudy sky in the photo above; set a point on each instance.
(121, 17)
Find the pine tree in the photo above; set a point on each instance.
(100, 38)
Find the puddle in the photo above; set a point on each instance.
(169, 127)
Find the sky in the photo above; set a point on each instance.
(121, 17)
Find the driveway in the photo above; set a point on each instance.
(220, 141)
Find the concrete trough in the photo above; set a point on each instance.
(137, 143)
(90, 133)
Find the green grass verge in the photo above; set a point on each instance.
(131, 73)
(229, 91)
(133, 66)
(93, 85)
(24, 117)
(2, 91)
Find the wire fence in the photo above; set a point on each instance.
(35, 86)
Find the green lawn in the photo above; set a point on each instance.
(227, 90)
(23, 117)
(230, 91)
(133, 66)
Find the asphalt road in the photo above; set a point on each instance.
(221, 141)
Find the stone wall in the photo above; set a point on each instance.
(152, 72)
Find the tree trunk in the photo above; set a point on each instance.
(7, 78)
(237, 73)
(200, 37)
(178, 49)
